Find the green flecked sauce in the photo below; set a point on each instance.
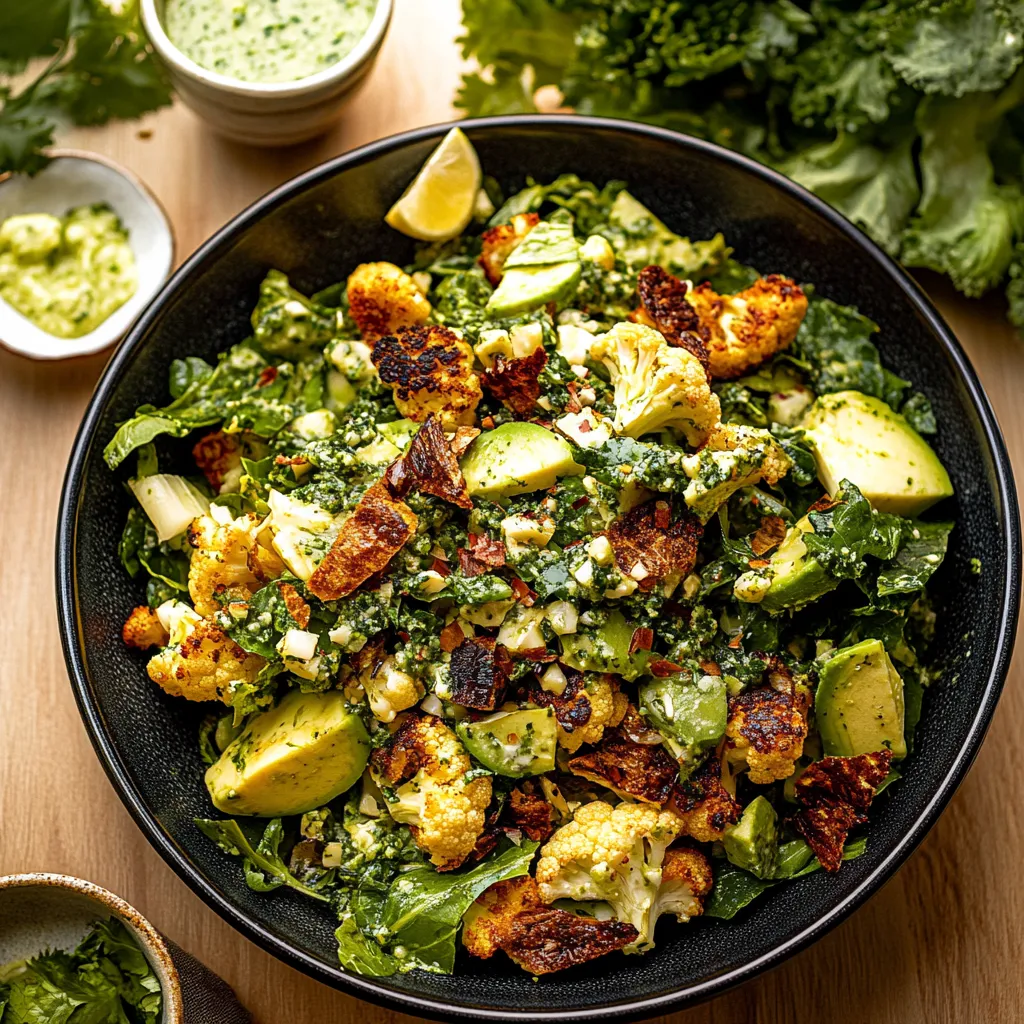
(66, 274)
(267, 40)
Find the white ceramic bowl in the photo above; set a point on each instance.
(74, 179)
(275, 114)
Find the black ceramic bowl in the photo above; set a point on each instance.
(317, 228)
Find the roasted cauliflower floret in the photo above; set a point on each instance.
(745, 329)
(388, 689)
(705, 804)
(382, 298)
(735, 456)
(616, 854)
(766, 731)
(444, 812)
(656, 386)
(219, 571)
(219, 456)
(206, 664)
(498, 242)
(143, 629)
(607, 707)
(431, 371)
(685, 880)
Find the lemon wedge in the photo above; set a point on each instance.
(439, 203)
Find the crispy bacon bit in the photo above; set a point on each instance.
(758, 563)
(706, 807)
(404, 756)
(635, 726)
(297, 607)
(487, 423)
(483, 554)
(441, 566)
(572, 705)
(824, 504)
(516, 382)
(735, 642)
(460, 441)
(267, 376)
(769, 535)
(710, 668)
(522, 593)
(479, 672)
(574, 404)
(498, 243)
(641, 640)
(629, 769)
(429, 466)
(372, 535)
(661, 669)
(835, 793)
(451, 636)
(216, 454)
(580, 502)
(665, 553)
(512, 917)
(531, 813)
(143, 629)
(663, 298)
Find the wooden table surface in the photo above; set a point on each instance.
(942, 942)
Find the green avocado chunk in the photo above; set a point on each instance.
(859, 438)
(797, 578)
(859, 702)
(516, 458)
(690, 715)
(753, 842)
(526, 288)
(514, 743)
(605, 648)
(292, 758)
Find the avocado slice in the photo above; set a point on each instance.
(605, 648)
(859, 438)
(525, 288)
(797, 577)
(690, 715)
(515, 744)
(399, 432)
(292, 758)
(516, 458)
(753, 842)
(859, 702)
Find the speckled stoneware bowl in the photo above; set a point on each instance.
(272, 114)
(76, 178)
(42, 911)
(317, 229)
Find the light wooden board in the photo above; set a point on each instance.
(943, 942)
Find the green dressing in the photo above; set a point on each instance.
(66, 274)
(267, 40)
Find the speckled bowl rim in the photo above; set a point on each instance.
(84, 346)
(155, 944)
(337, 72)
(426, 1006)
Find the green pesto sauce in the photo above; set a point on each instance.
(267, 40)
(66, 274)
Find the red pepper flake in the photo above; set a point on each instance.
(291, 460)
(824, 504)
(662, 514)
(584, 427)
(267, 376)
(660, 668)
(487, 423)
(580, 503)
(523, 594)
(403, 636)
(758, 563)
(452, 636)
(441, 567)
(572, 544)
(711, 668)
(734, 643)
(641, 640)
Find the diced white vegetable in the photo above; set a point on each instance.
(178, 619)
(600, 550)
(171, 502)
(299, 644)
(562, 617)
(521, 629)
(553, 680)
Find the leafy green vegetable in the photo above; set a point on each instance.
(921, 552)
(140, 550)
(100, 67)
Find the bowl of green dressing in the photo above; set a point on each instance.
(267, 72)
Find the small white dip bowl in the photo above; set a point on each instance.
(72, 179)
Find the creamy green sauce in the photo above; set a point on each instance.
(267, 40)
(66, 274)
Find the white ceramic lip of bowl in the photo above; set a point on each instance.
(80, 903)
(75, 178)
(361, 52)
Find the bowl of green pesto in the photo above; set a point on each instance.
(267, 72)
(566, 617)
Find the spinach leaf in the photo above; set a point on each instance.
(186, 372)
(139, 550)
(922, 549)
(473, 590)
(266, 621)
(263, 863)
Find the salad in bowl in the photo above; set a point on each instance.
(567, 581)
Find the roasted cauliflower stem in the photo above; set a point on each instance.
(498, 242)
(383, 298)
(143, 629)
(430, 370)
(219, 571)
(445, 813)
(751, 326)
(663, 306)
(206, 665)
(704, 804)
(510, 916)
(616, 854)
(656, 386)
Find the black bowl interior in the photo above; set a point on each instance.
(317, 229)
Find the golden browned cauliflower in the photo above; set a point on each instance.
(607, 706)
(498, 242)
(143, 629)
(430, 369)
(220, 568)
(382, 298)
(704, 803)
(745, 329)
(766, 730)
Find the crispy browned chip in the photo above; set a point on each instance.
(703, 803)
(478, 673)
(531, 813)
(835, 793)
(572, 705)
(462, 439)
(642, 771)
(652, 553)
(498, 243)
(216, 454)
(641, 640)
(663, 298)
(429, 466)
(297, 607)
(512, 917)
(770, 534)
(483, 554)
(451, 636)
(372, 535)
(824, 504)
(143, 629)
(516, 382)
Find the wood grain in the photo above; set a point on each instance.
(943, 942)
